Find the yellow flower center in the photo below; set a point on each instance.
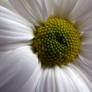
(56, 42)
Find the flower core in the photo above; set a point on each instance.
(56, 42)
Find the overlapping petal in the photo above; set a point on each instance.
(19, 68)
(16, 67)
(14, 30)
(33, 10)
(66, 79)
(37, 10)
(80, 9)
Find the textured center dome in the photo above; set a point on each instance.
(56, 42)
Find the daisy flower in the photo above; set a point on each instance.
(45, 46)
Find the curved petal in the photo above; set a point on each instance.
(80, 78)
(84, 22)
(4, 3)
(86, 66)
(16, 67)
(31, 84)
(85, 27)
(86, 48)
(60, 8)
(86, 51)
(32, 10)
(81, 8)
(66, 79)
(47, 81)
(71, 80)
(14, 30)
(41, 9)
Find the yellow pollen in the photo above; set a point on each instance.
(56, 42)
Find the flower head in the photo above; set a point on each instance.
(57, 42)
(45, 46)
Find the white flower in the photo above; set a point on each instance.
(19, 67)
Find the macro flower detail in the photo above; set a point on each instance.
(45, 46)
(56, 42)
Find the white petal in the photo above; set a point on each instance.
(84, 22)
(41, 9)
(80, 79)
(86, 48)
(31, 84)
(84, 61)
(16, 67)
(66, 79)
(85, 66)
(85, 27)
(60, 80)
(81, 8)
(49, 85)
(60, 8)
(30, 9)
(65, 7)
(45, 84)
(51, 6)
(14, 30)
(4, 3)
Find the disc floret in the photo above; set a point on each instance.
(56, 42)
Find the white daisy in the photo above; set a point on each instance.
(47, 48)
